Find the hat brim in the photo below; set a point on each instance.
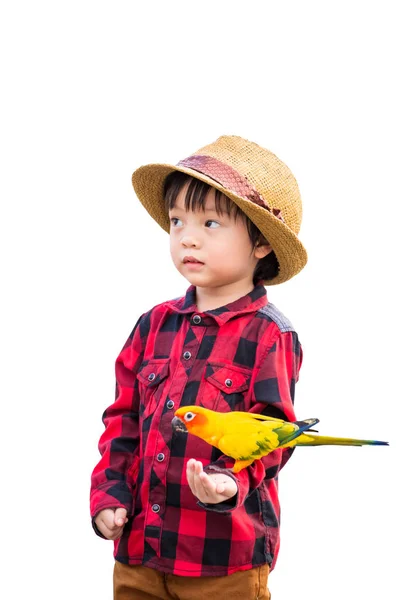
(148, 183)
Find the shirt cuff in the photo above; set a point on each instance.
(97, 530)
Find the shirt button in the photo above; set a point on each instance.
(196, 319)
(160, 457)
(187, 355)
(151, 376)
(170, 404)
(155, 508)
(228, 382)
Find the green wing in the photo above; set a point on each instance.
(258, 437)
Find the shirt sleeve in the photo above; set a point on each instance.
(114, 476)
(274, 391)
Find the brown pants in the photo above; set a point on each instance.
(142, 583)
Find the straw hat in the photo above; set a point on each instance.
(255, 179)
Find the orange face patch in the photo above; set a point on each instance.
(199, 419)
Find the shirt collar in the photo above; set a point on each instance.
(251, 302)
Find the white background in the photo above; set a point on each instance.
(90, 91)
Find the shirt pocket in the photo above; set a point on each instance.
(152, 378)
(227, 387)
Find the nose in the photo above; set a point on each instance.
(189, 242)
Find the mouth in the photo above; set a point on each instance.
(178, 425)
(191, 260)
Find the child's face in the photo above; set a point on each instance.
(220, 242)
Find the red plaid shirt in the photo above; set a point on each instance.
(177, 356)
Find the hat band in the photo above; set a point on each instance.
(229, 178)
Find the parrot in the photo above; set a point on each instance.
(246, 437)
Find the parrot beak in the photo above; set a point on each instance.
(178, 425)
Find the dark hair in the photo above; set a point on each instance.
(267, 267)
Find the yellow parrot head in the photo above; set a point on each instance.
(192, 419)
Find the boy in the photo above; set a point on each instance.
(183, 524)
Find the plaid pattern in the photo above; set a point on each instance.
(176, 356)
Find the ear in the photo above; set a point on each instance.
(261, 250)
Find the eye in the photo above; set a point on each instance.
(211, 221)
(189, 416)
(174, 220)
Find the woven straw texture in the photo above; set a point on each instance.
(254, 178)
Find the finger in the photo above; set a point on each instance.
(117, 533)
(198, 466)
(229, 488)
(209, 488)
(220, 488)
(113, 532)
(107, 517)
(105, 530)
(189, 473)
(120, 517)
(208, 484)
(194, 482)
(201, 480)
(221, 485)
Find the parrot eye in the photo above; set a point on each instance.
(189, 416)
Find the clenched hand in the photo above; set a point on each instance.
(111, 522)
